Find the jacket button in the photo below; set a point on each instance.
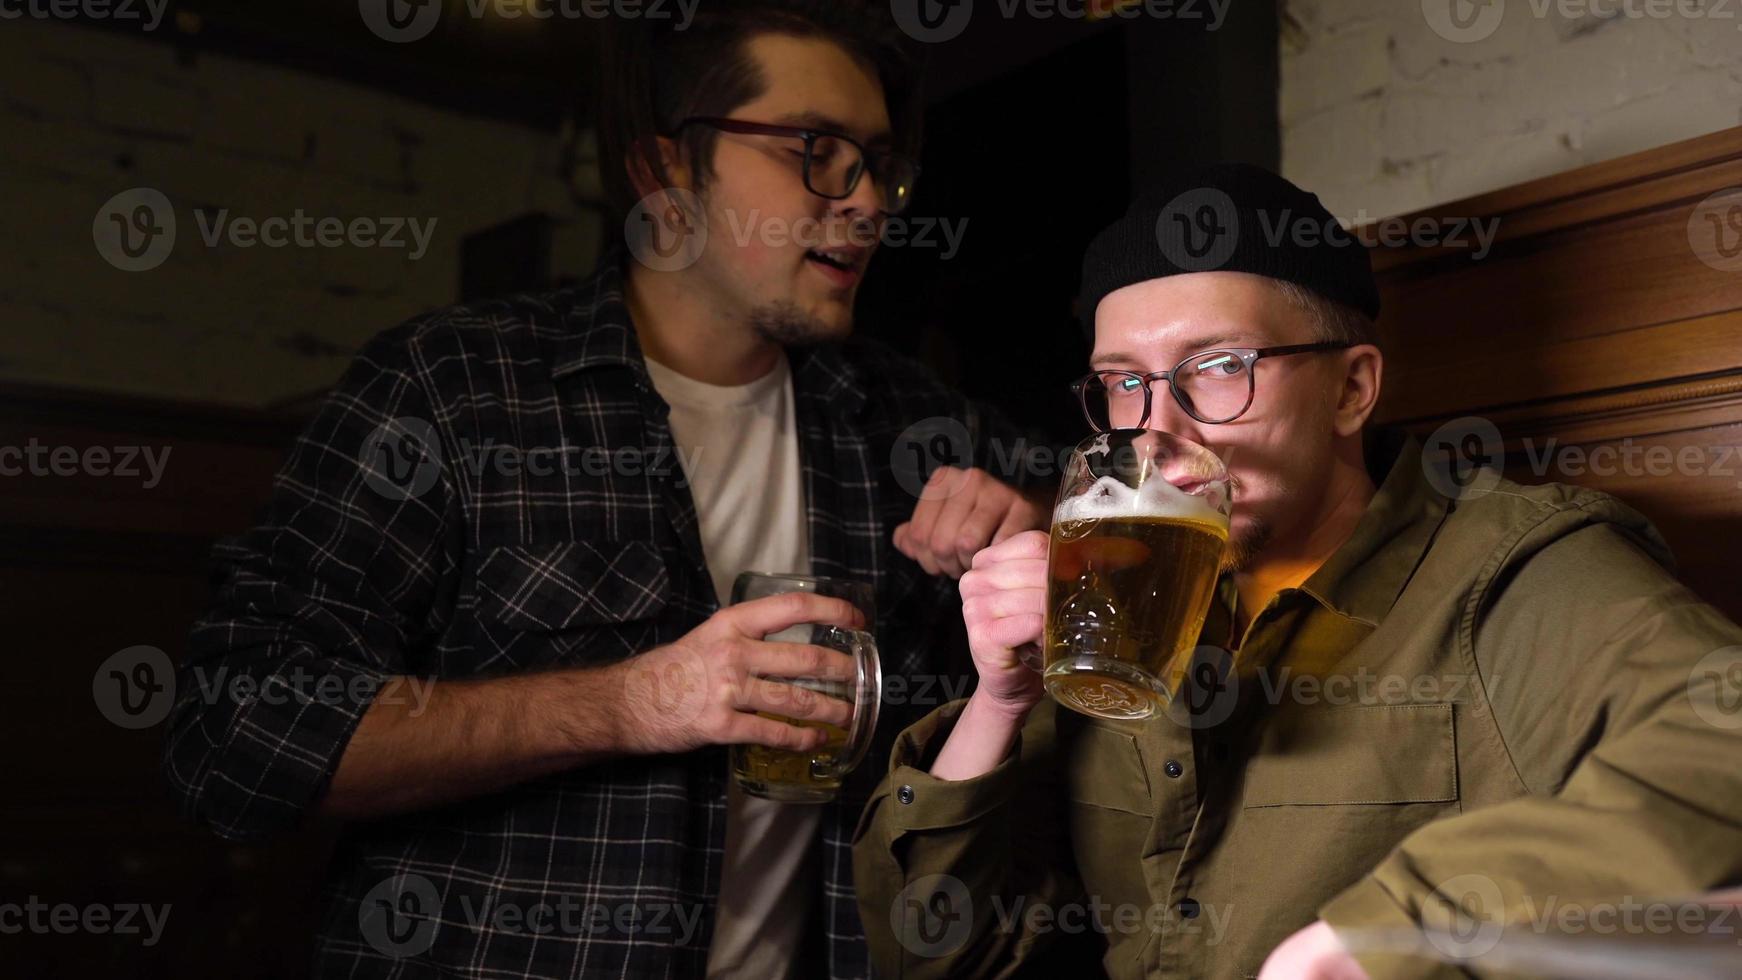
(1189, 908)
(905, 794)
(1173, 769)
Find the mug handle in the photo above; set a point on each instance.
(867, 696)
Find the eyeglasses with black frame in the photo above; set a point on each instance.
(833, 162)
(1213, 386)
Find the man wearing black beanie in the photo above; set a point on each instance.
(1440, 701)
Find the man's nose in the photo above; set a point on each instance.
(865, 201)
(1166, 414)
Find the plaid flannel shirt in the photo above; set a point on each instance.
(387, 549)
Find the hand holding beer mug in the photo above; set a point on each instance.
(1137, 543)
(815, 777)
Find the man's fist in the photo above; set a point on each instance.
(962, 511)
(706, 687)
(1004, 607)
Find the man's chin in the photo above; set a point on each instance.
(790, 325)
(1246, 539)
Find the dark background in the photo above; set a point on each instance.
(1037, 133)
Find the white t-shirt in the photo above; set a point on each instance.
(739, 446)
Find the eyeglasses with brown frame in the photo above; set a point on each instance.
(1213, 386)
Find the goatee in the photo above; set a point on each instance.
(786, 324)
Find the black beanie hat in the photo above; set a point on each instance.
(1229, 217)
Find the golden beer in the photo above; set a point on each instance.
(1127, 590)
(781, 774)
(815, 776)
(1137, 543)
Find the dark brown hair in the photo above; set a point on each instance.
(655, 75)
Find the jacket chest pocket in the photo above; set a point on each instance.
(569, 602)
(1327, 793)
(1110, 809)
(1363, 755)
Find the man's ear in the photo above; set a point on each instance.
(642, 174)
(1363, 373)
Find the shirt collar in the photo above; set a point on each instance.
(597, 332)
(1364, 577)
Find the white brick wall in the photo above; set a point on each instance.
(1382, 113)
(87, 114)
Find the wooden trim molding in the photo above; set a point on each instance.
(1593, 286)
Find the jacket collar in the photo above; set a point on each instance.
(1364, 577)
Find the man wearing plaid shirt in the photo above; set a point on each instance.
(483, 610)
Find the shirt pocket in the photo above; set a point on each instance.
(1110, 811)
(569, 602)
(1355, 756)
(1103, 767)
(1327, 794)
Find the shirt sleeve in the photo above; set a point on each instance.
(1605, 677)
(943, 868)
(314, 608)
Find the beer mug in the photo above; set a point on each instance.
(814, 777)
(1137, 542)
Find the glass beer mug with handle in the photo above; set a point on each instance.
(1137, 543)
(815, 777)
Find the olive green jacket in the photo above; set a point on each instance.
(1479, 712)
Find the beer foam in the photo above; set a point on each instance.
(1110, 497)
